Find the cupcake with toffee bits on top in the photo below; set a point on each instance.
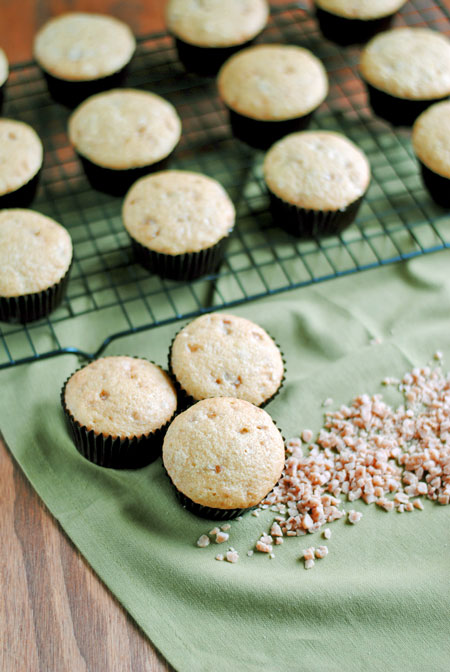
(431, 145)
(222, 355)
(82, 54)
(208, 32)
(271, 90)
(316, 181)
(405, 71)
(355, 21)
(123, 134)
(223, 456)
(118, 409)
(179, 223)
(35, 259)
(21, 157)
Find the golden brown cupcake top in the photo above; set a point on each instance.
(216, 23)
(176, 211)
(124, 128)
(222, 355)
(35, 252)
(431, 138)
(224, 453)
(360, 9)
(409, 63)
(273, 82)
(121, 396)
(4, 68)
(78, 46)
(321, 170)
(21, 155)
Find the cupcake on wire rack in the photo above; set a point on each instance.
(118, 409)
(316, 181)
(431, 145)
(355, 21)
(179, 223)
(405, 71)
(207, 33)
(123, 134)
(21, 157)
(35, 260)
(223, 456)
(223, 355)
(82, 54)
(271, 90)
(4, 72)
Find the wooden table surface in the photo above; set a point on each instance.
(55, 614)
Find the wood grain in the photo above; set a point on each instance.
(55, 614)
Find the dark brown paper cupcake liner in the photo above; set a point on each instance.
(307, 223)
(209, 512)
(205, 60)
(31, 307)
(114, 452)
(398, 111)
(117, 182)
(185, 399)
(345, 31)
(72, 93)
(22, 197)
(187, 266)
(437, 186)
(263, 134)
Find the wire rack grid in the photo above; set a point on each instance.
(397, 221)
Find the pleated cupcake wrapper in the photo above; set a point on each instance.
(262, 134)
(31, 307)
(437, 185)
(185, 399)
(209, 512)
(114, 452)
(187, 266)
(118, 182)
(308, 223)
(205, 60)
(398, 111)
(72, 93)
(22, 197)
(347, 31)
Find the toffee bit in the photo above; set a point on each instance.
(354, 517)
(321, 551)
(232, 556)
(221, 537)
(203, 541)
(309, 564)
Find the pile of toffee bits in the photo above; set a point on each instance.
(367, 450)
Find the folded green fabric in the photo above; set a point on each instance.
(379, 601)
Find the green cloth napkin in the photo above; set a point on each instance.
(379, 601)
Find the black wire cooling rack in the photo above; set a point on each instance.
(397, 221)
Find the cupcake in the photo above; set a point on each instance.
(431, 145)
(82, 54)
(21, 156)
(207, 33)
(221, 355)
(4, 71)
(121, 135)
(355, 21)
(271, 90)
(316, 181)
(118, 409)
(178, 222)
(35, 259)
(405, 71)
(223, 457)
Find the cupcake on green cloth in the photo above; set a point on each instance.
(223, 456)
